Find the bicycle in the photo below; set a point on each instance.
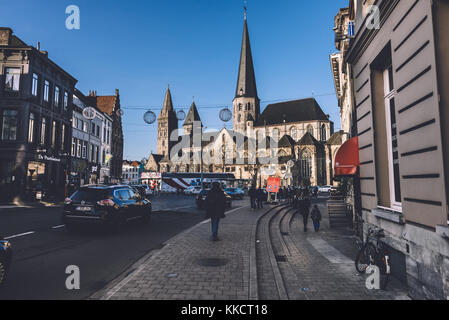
(377, 255)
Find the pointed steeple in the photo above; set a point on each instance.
(168, 103)
(246, 83)
(193, 115)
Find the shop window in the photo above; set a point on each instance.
(43, 131)
(9, 125)
(35, 85)
(46, 90)
(386, 138)
(12, 79)
(31, 128)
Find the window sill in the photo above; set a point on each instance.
(389, 215)
(443, 231)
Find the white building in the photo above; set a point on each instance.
(86, 143)
(131, 172)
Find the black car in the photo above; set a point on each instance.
(108, 205)
(5, 259)
(201, 198)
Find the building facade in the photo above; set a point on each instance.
(132, 171)
(110, 106)
(400, 72)
(293, 130)
(36, 112)
(89, 144)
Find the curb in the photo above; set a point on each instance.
(253, 285)
(282, 291)
(130, 273)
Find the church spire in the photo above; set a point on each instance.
(193, 115)
(168, 103)
(246, 83)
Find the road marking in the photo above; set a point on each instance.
(14, 207)
(57, 227)
(329, 252)
(19, 235)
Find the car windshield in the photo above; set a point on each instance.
(230, 190)
(89, 195)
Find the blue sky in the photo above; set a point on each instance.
(142, 46)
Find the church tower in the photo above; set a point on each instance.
(246, 103)
(166, 124)
(193, 119)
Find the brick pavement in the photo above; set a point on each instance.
(318, 266)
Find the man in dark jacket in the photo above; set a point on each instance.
(215, 208)
(260, 198)
(305, 206)
(253, 196)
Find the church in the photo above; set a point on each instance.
(297, 138)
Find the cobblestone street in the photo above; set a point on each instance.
(261, 255)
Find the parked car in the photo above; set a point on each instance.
(235, 193)
(143, 190)
(334, 191)
(112, 206)
(201, 198)
(147, 189)
(5, 259)
(325, 189)
(314, 190)
(192, 190)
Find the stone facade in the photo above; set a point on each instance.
(36, 111)
(401, 113)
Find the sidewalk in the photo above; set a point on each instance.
(261, 255)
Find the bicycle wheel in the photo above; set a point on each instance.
(384, 266)
(365, 257)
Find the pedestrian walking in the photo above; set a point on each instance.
(253, 196)
(215, 208)
(316, 218)
(305, 208)
(260, 198)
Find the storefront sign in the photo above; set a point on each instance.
(273, 184)
(151, 175)
(47, 158)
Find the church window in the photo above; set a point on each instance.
(323, 133)
(239, 118)
(306, 165)
(294, 133)
(249, 106)
(275, 133)
(240, 107)
(310, 129)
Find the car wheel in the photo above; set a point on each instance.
(2, 272)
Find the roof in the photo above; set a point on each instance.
(168, 103)
(286, 142)
(336, 139)
(246, 82)
(292, 111)
(308, 140)
(157, 157)
(106, 104)
(193, 115)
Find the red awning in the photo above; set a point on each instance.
(347, 158)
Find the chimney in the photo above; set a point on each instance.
(38, 46)
(5, 36)
(116, 92)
